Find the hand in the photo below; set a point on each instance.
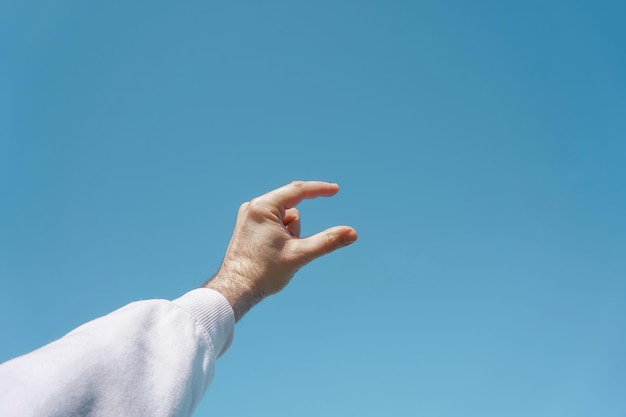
(266, 250)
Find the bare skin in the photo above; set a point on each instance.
(266, 249)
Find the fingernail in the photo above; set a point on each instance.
(349, 237)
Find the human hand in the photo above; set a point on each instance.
(266, 249)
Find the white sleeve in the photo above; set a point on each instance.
(149, 358)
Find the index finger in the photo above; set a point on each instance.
(290, 195)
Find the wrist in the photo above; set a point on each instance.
(239, 292)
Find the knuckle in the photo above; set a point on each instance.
(330, 244)
(254, 204)
(257, 207)
(243, 208)
(297, 183)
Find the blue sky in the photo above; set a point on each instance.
(480, 149)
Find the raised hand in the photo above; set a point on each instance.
(266, 249)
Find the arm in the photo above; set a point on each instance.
(152, 358)
(157, 357)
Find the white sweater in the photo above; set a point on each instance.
(150, 358)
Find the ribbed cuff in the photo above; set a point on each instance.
(211, 310)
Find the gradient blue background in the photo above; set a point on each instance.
(480, 149)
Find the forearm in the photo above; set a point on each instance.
(149, 358)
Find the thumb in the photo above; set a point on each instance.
(307, 249)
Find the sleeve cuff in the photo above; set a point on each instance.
(213, 313)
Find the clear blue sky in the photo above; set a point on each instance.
(480, 147)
